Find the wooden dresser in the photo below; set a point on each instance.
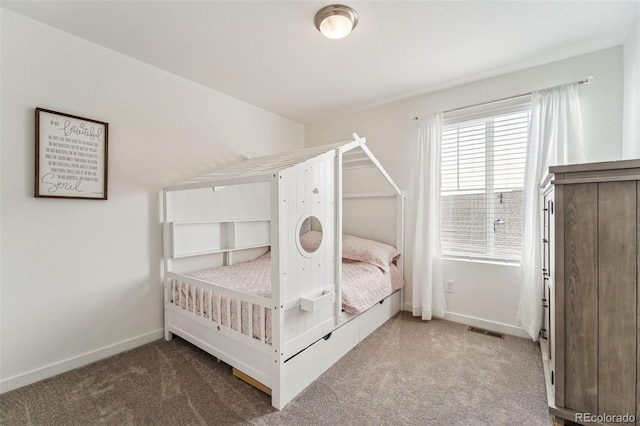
(591, 334)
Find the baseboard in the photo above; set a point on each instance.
(512, 330)
(486, 324)
(56, 368)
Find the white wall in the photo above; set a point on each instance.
(631, 123)
(485, 294)
(81, 280)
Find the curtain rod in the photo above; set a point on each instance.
(587, 81)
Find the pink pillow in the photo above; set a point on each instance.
(373, 252)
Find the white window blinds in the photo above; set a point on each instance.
(482, 174)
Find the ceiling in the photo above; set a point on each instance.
(269, 54)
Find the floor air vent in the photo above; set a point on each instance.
(487, 332)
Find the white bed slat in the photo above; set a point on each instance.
(261, 168)
(218, 302)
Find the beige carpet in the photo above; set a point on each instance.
(408, 372)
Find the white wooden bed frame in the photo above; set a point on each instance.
(310, 332)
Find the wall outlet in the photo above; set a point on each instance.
(448, 286)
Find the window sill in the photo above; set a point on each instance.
(500, 262)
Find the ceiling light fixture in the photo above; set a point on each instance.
(336, 21)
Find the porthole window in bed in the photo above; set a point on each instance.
(309, 235)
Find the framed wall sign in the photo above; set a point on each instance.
(71, 156)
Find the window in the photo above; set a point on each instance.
(482, 177)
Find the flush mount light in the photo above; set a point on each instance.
(336, 21)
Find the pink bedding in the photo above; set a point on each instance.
(363, 285)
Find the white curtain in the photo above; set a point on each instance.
(428, 286)
(555, 138)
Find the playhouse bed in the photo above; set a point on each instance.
(307, 295)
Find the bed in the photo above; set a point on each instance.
(281, 297)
